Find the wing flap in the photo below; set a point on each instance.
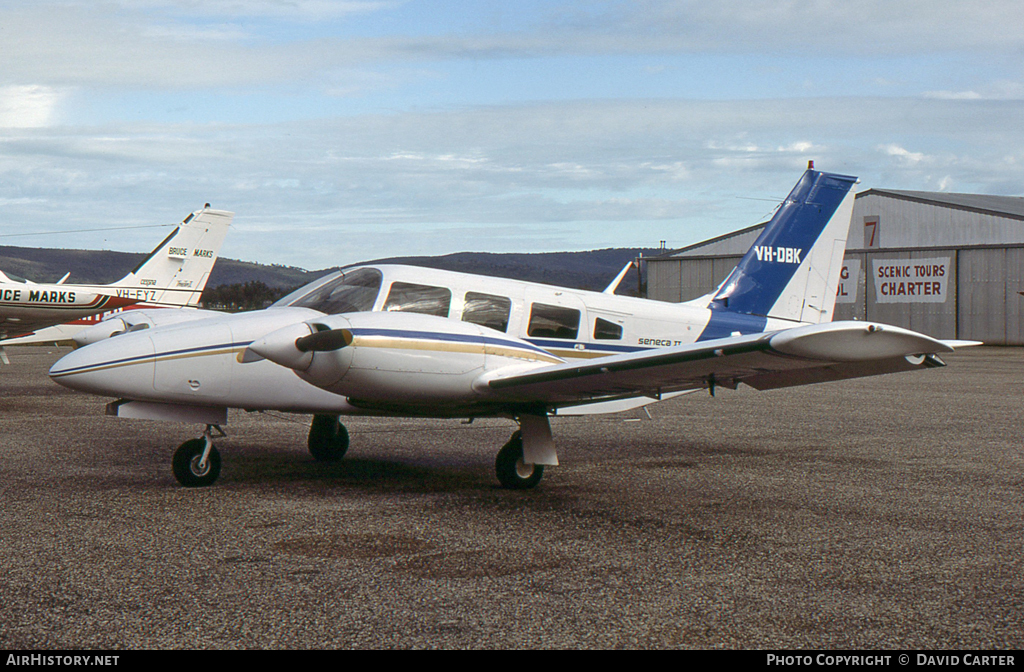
(842, 371)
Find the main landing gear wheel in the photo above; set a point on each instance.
(328, 438)
(513, 473)
(193, 466)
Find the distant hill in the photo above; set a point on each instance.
(582, 270)
(103, 266)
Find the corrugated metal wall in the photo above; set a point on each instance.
(989, 298)
(935, 318)
(1014, 299)
(682, 279)
(906, 223)
(981, 302)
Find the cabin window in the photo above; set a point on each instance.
(553, 321)
(487, 310)
(352, 292)
(607, 331)
(407, 297)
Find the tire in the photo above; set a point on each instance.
(186, 464)
(513, 473)
(328, 438)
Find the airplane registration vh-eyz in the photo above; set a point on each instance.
(394, 340)
(172, 276)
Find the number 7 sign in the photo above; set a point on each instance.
(871, 232)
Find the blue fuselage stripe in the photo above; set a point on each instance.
(725, 323)
(137, 359)
(539, 346)
(594, 346)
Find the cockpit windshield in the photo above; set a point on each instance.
(350, 292)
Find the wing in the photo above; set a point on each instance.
(798, 356)
(24, 319)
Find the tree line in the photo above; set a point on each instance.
(239, 296)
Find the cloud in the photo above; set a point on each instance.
(902, 154)
(995, 90)
(543, 177)
(28, 106)
(953, 95)
(79, 46)
(235, 44)
(294, 10)
(336, 129)
(867, 27)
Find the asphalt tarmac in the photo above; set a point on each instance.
(884, 513)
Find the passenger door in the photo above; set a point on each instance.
(557, 321)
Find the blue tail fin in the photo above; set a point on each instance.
(792, 270)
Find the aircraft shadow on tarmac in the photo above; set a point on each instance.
(434, 472)
(261, 468)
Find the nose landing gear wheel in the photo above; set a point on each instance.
(513, 473)
(328, 438)
(191, 470)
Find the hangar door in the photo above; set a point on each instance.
(990, 282)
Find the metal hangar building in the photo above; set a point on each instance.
(947, 265)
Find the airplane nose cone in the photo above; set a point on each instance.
(119, 366)
(279, 347)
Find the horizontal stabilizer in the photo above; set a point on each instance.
(961, 344)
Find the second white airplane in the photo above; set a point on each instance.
(172, 276)
(402, 341)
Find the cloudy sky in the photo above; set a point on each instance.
(342, 131)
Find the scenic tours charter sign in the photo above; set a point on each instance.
(911, 280)
(898, 280)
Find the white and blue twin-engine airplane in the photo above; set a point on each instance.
(395, 340)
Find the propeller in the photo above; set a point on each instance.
(324, 340)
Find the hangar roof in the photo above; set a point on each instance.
(1005, 206)
(737, 242)
(742, 238)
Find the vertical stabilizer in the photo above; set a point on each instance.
(792, 270)
(175, 273)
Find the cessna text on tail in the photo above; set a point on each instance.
(173, 275)
(402, 341)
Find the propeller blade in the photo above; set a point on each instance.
(323, 341)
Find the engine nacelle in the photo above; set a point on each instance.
(135, 320)
(99, 332)
(400, 358)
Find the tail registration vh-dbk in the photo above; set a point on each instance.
(393, 340)
(172, 276)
